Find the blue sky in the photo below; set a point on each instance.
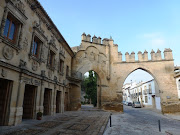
(135, 25)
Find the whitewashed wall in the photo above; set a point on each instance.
(178, 86)
(158, 103)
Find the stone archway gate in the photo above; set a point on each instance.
(103, 57)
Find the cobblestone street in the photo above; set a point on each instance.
(142, 121)
(91, 121)
(86, 122)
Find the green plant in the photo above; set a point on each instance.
(89, 85)
(39, 114)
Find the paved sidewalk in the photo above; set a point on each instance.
(86, 122)
(142, 121)
(175, 116)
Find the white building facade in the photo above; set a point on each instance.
(126, 91)
(177, 77)
(126, 95)
(147, 93)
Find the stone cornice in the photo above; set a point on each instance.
(27, 72)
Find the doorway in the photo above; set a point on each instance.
(66, 102)
(153, 101)
(29, 102)
(58, 102)
(47, 102)
(5, 92)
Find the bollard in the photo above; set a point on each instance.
(110, 120)
(159, 125)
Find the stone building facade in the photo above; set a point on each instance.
(39, 72)
(35, 63)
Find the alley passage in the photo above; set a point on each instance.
(142, 121)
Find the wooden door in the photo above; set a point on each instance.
(153, 102)
(66, 102)
(58, 102)
(5, 92)
(47, 102)
(29, 102)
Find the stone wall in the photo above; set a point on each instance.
(103, 57)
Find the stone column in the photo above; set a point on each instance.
(62, 100)
(19, 102)
(41, 107)
(12, 115)
(54, 100)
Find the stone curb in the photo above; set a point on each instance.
(173, 117)
(101, 132)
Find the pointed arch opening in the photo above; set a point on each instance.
(90, 90)
(141, 86)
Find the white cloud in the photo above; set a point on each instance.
(152, 35)
(154, 39)
(158, 42)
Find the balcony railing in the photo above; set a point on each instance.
(147, 91)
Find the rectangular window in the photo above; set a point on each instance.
(146, 99)
(139, 93)
(61, 66)
(10, 29)
(51, 59)
(145, 92)
(150, 89)
(67, 71)
(6, 29)
(36, 47)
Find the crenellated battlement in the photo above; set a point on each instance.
(143, 56)
(129, 57)
(155, 56)
(94, 39)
